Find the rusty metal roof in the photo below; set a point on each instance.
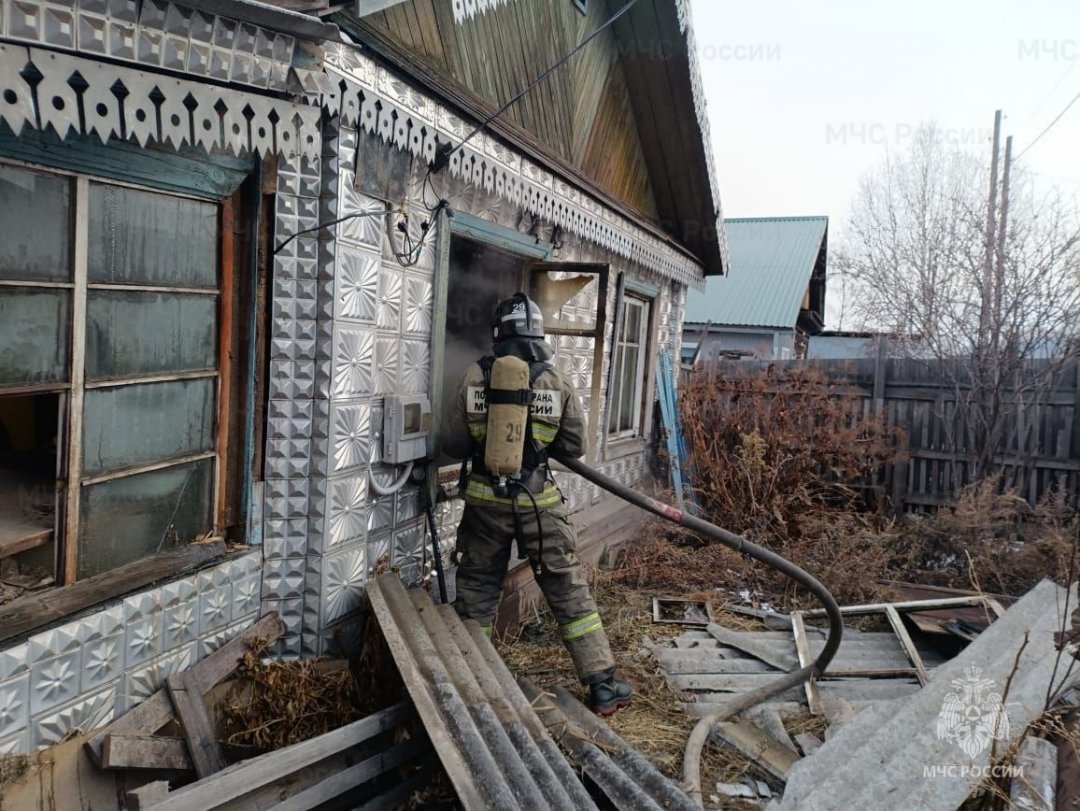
(494, 747)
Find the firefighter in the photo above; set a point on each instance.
(502, 509)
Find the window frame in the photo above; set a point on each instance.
(602, 271)
(71, 478)
(619, 442)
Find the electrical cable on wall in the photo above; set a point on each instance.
(389, 490)
(320, 226)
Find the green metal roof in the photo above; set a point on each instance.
(772, 259)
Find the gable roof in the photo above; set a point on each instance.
(656, 55)
(772, 262)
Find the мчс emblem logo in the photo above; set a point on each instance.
(973, 716)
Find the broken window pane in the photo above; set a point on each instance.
(35, 221)
(139, 237)
(148, 422)
(126, 519)
(138, 333)
(34, 330)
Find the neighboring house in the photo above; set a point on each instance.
(230, 295)
(772, 298)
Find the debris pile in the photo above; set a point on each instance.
(494, 740)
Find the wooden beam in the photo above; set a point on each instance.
(910, 605)
(187, 700)
(68, 552)
(902, 634)
(348, 779)
(226, 336)
(802, 647)
(33, 611)
(121, 751)
(156, 711)
(242, 778)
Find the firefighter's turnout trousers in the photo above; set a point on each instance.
(485, 541)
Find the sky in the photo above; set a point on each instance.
(805, 97)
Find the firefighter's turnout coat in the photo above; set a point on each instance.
(485, 538)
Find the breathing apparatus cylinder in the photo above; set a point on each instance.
(507, 420)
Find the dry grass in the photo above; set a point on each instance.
(275, 704)
(655, 723)
(12, 767)
(989, 540)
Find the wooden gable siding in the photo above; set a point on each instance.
(582, 112)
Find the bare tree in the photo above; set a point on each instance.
(999, 314)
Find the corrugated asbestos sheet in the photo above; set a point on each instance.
(771, 263)
(494, 747)
(908, 753)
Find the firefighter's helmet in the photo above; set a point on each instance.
(517, 317)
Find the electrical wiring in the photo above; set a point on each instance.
(322, 225)
(1049, 126)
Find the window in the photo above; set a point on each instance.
(110, 375)
(626, 394)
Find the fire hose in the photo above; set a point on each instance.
(700, 733)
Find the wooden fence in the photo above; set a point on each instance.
(1039, 451)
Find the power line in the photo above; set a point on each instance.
(1049, 126)
(1057, 84)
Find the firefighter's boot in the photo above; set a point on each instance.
(608, 694)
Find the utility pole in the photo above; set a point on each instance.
(988, 271)
(1003, 227)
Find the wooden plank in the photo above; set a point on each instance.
(226, 351)
(910, 605)
(17, 534)
(145, 797)
(119, 751)
(156, 711)
(750, 646)
(32, 611)
(67, 554)
(241, 778)
(902, 634)
(759, 746)
(802, 647)
(398, 796)
(203, 747)
(354, 776)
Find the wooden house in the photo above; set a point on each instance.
(234, 294)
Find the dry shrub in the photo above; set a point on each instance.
(786, 458)
(770, 448)
(275, 704)
(990, 540)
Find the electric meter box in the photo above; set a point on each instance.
(406, 425)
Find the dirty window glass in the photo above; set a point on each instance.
(35, 222)
(138, 424)
(138, 333)
(138, 237)
(131, 518)
(34, 330)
